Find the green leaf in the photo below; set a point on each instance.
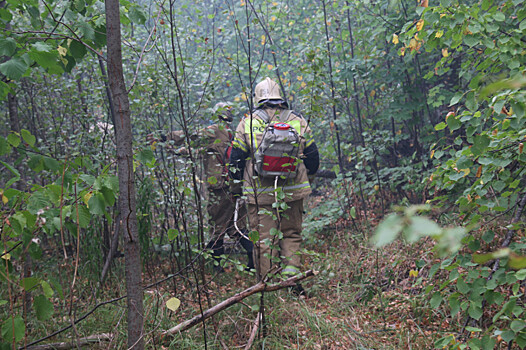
(480, 143)
(521, 274)
(462, 286)
(488, 236)
(97, 204)
(453, 123)
(172, 234)
(13, 139)
(14, 68)
(499, 17)
(454, 305)
(436, 300)
(14, 326)
(420, 227)
(440, 126)
(137, 15)
(455, 99)
(387, 230)
(42, 47)
(4, 147)
(47, 60)
(508, 336)
(254, 236)
(35, 163)
(84, 216)
(7, 47)
(51, 164)
(471, 40)
(474, 311)
(78, 50)
(471, 102)
(145, 156)
(48, 291)
(517, 325)
(43, 307)
(27, 137)
(29, 283)
(87, 30)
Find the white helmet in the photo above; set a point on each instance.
(223, 111)
(267, 91)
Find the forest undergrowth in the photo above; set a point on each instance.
(362, 297)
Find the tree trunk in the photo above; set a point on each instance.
(127, 198)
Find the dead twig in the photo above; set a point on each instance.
(253, 332)
(259, 287)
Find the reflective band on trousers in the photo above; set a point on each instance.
(284, 188)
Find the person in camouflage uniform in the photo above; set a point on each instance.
(213, 143)
(261, 191)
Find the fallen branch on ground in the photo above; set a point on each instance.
(98, 338)
(253, 332)
(259, 287)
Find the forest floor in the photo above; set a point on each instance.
(361, 298)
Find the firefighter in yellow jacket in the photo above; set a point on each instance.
(213, 142)
(270, 180)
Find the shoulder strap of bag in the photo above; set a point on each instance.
(262, 114)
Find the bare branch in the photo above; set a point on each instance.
(259, 287)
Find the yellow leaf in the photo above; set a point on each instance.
(242, 3)
(62, 51)
(173, 304)
(263, 39)
(273, 19)
(466, 171)
(376, 187)
(372, 93)
(412, 44)
(237, 99)
(402, 51)
(413, 273)
(445, 53)
(86, 197)
(303, 84)
(420, 25)
(6, 256)
(432, 153)
(395, 39)
(439, 34)
(300, 78)
(270, 67)
(424, 3)
(274, 4)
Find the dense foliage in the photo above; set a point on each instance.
(410, 104)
